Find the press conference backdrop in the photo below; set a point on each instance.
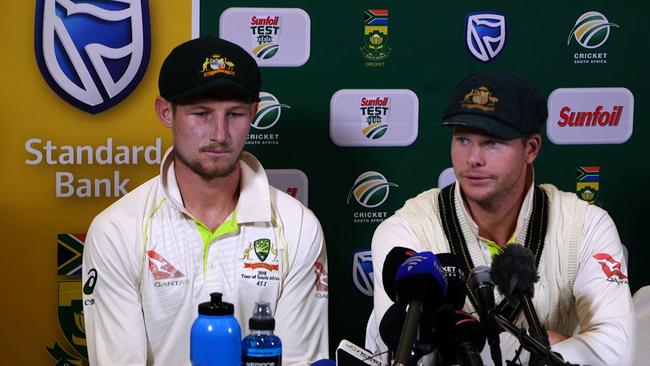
(349, 124)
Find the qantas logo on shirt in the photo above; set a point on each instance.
(611, 268)
(161, 268)
(322, 287)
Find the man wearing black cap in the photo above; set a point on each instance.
(209, 222)
(582, 297)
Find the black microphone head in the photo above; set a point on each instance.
(514, 272)
(456, 293)
(393, 260)
(390, 326)
(458, 329)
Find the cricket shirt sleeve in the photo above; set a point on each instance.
(302, 308)
(607, 332)
(115, 330)
(389, 234)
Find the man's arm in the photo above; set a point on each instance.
(389, 234)
(607, 332)
(302, 314)
(114, 323)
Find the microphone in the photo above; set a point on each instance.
(456, 293)
(481, 285)
(391, 324)
(419, 282)
(515, 274)
(393, 260)
(465, 337)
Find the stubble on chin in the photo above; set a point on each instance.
(209, 173)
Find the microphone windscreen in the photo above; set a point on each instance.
(514, 272)
(393, 260)
(420, 278)
(391, 324)
(456, 291)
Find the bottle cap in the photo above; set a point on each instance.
(262, 318)
(215, 306)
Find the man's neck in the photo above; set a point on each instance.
(210, 201)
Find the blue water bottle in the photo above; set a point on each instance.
(262, 347)
(216, 336)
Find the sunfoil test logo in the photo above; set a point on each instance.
(274, 36)
(265, 35)
(268, 114)
(374, 113)
(485, 34)
(374, 117)
(591, 30)
(92, 54)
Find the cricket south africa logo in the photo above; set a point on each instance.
(375, 47)
(268, 114)
(370, 190)
(375, 114)
(591, 30)
(265, 35)
(93, 53)
(485, 35)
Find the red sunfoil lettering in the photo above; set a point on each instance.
(265, 21)
(596, 118)
(374, 102)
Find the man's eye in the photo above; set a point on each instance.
(200, 114)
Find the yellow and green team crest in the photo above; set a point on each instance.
(262, 248)
(71, 321)
(375, 47)
(588, 183)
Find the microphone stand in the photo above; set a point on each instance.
(531, 344)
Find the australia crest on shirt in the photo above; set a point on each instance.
(260, 262)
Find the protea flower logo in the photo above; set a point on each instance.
(591, 30)
(370, 189)
(269, 111)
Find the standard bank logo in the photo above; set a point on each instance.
(370, 190)
(362, 271)
(374, 117)
(290, 181)
(268, 112)
(591, 30)
(590, 115)
(274, 36)
(485, 34)
(92, 54)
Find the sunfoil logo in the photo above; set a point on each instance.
(268, 112)
(370, 190)
(591, 30)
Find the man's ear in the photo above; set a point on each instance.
(165, 111)
(254, 107)
(532, 147)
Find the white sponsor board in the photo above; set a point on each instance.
(374, 117)
(590, 116)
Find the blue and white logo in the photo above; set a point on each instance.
(485, 35)
(362, 271)
(92, 53)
